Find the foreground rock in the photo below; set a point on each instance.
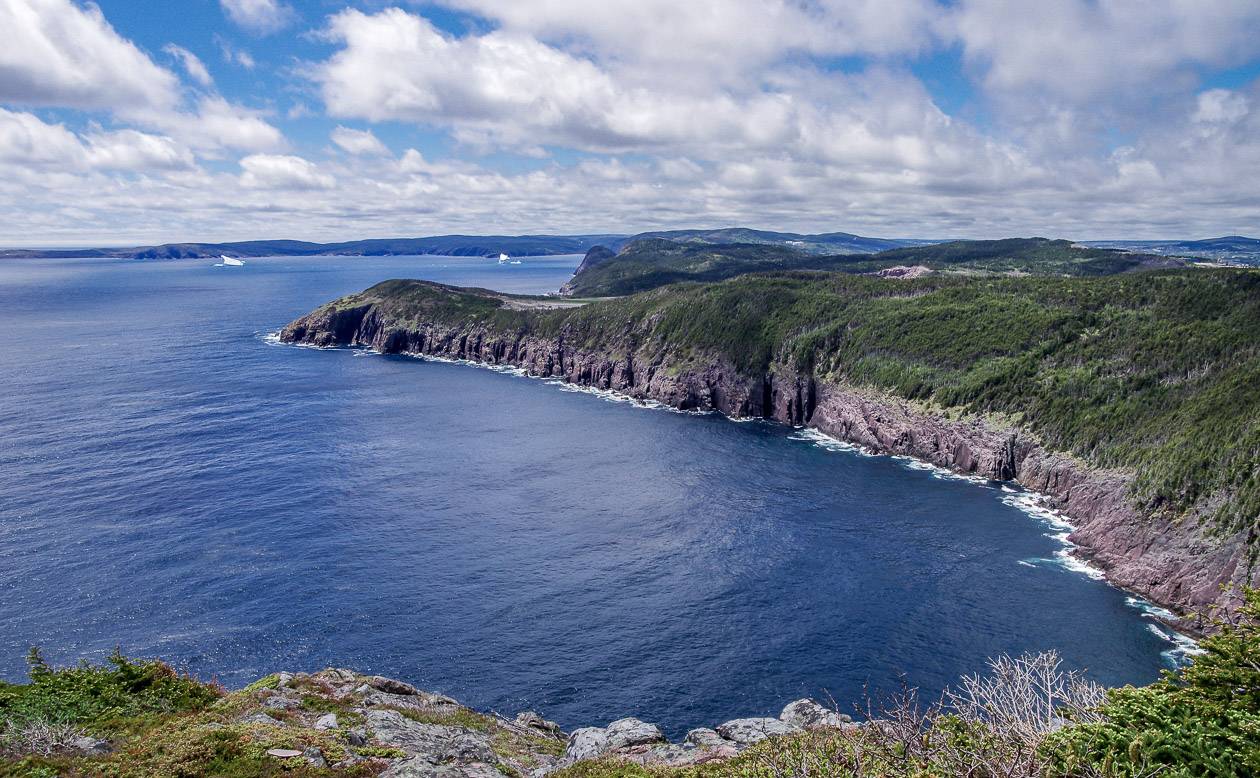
(347, 724)
(635, 741)
(338, 719)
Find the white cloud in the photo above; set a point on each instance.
(214, 125)
(136, 151)
(358, 141)
(282, 171)
(507, 89)
(259, 16)
(698, 113)
(56, 53)
(192, 65)
(27, 140)
(1221, 106)
(716, 39)
(1080, 49)
(233, 55)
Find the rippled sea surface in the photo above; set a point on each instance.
(173, 483)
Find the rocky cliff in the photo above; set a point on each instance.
(1181, 565)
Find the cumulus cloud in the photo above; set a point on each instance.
(195, 68)
(509, 89)
(56, 53)
(282, 171)
(25, 138)
(1079, 50)
(704, 113)
(259, 16)
(214, 125)
(28, 140)
(358, 141)
(716, 39)
(136, 151)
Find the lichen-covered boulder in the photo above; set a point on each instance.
(808, 714)
(745, 732)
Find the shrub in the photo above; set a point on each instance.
(1203, 720)
(40, 715)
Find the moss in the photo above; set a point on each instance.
(380, 752)
(266, 682)
(460, 717)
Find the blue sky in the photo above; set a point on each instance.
(127, 122)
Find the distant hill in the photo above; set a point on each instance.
(443, 245)
(1230, 248)
(1037, 256)
(832, 243)
(647, 263)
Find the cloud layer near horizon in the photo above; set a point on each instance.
(1080, 119)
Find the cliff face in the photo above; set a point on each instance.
(1181, 565)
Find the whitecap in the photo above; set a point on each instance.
(828, 443)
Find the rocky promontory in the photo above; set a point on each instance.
(1176, 560)
(340, 722)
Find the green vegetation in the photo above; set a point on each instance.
(1203, 720)
(418, 301)
(97, 699)
(141, 719)
(152, 722)
(652, 262)
(1026, 255)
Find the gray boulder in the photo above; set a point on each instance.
(745, 732)
(469, 747)
(280, 702)
(315, 757)
(623, 733)
(808, 714)
(585, 743)
(394, 729)
(703, 737)
(91, 746)
(536, 722)
(419, 767)
(262, 718)
(326, 722)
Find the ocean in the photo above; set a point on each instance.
(175, 483)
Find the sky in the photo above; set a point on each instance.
(130, 122)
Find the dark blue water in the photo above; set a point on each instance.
(172, 483)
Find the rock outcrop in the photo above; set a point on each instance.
(341, 720)
(1180, 565)
(637, 741)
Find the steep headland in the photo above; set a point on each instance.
(1128, 400)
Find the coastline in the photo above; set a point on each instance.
(1178, 630)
